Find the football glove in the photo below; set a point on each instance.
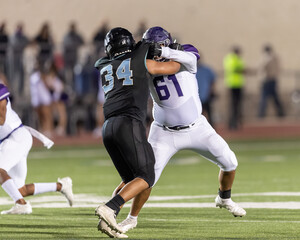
(154, 50)
(176, 46)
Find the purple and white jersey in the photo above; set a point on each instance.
(175, 97)
(12, 120)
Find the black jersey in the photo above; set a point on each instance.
(125, 83)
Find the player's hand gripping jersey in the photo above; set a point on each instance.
(176, 99)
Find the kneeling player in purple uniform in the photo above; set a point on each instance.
(15, 144)
(178, 124)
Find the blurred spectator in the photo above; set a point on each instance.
(82, 111)
(59, 98)
(30, 64)
(46, 45)
(98, 40)
(270, 68)
(41, 100)
(234, 69)
(4, 41)
(140, 30)
(206, 78)
(97, 133)
(3, 79)
(71, 43)
(86, 78)
(18, 43)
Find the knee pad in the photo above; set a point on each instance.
(230, 162)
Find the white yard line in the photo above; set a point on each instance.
(91, 200)
(241, 220)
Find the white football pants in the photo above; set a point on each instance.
(201, 138)
(13, 155)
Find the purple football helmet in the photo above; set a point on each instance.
(158, 35)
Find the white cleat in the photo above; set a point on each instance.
(19, 209)
(108, 215)
(128, 224)
(231, 206)
(66, 189)
(104, 228)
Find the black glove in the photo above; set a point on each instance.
(154, 50)
(176, 46)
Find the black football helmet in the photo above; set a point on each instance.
(118, 40)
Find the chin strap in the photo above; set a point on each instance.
(46, 141)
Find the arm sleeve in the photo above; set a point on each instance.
(4, 92)
(187, 59)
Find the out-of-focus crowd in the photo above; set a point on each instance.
(54, 87)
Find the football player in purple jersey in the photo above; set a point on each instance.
(15, 144)
(179, 124)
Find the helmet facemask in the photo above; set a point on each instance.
(158, 35)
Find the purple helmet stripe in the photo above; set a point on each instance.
(4, 93)
(192, 49)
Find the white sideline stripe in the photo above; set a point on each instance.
(241, 220)
(92, 200)
(246, 205)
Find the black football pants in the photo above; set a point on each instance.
(125, 140)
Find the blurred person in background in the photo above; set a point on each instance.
(270, 69)
(142, 27)
(45, 42)
(18, 43)
(15, 144)
(85, 99)
(71, 43)
(30, 64)
(59, 98)
(234, 70)
(41, 100)
(98, 40)
(3, 80)
(97, 133)
(206, 79)
(4, 43)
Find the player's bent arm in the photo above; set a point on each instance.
(187, 59)
(2, 111)
(162, 68)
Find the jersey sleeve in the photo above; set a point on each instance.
(4, 93)
(186, 58)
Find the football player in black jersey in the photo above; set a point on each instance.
(125, 73)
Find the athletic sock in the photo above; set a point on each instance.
(11, 189)
(225, 194)
(115, 203)
(133, 217)
(44, 187)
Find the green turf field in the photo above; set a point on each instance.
(181, 204)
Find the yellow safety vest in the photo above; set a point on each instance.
(234, 66)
